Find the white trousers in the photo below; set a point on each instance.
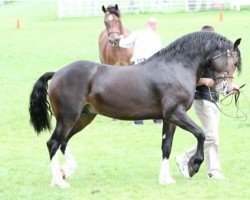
(209, 116)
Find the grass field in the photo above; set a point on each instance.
(116, 160)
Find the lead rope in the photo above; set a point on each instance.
(237, 105)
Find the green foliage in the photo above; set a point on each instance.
(116, 160)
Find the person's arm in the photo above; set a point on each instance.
(127, 42)
(205, 81)
(159, 45)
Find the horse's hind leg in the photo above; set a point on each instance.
(70, 164)
(167, 139)
(63, 126)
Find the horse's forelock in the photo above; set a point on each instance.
(112, 9)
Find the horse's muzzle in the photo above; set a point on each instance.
(114, 42)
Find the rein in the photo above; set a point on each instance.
(236, 102)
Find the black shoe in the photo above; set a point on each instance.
(157, 121)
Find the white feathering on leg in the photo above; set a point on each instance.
(70, 164)
(165, 177)
(56, 173)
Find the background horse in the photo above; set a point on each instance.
(161, 87)
(109, 53)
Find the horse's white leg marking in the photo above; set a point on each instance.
(56, 173)
(70, 164)
(165, 177)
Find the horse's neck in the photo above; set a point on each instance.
(121, 28)
(195, 65)
(200, 66)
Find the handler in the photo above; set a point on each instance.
(206, 109)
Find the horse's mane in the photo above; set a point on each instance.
(112, 9)
(202, 41)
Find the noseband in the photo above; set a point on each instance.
(111, 32)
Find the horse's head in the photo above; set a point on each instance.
(112, 23)
(224, 65)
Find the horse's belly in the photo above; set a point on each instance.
(126, 109)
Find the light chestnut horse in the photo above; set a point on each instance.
(109, 52)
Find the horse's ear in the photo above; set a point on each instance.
(103, 9)
(237, 43)
(116, 7)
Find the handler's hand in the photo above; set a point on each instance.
(235, 90)
(206, 81)
(121, 37)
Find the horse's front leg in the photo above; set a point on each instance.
(167, 140)
(180, 118)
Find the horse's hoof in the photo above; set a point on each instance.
(61, 184)
(166, 180)
(193, 166)
(67, 171)
(192, 171)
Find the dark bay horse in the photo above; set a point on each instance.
(161, 87)
(109, 53)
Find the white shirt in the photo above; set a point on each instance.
(145, 42)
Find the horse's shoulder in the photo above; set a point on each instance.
(102, 36)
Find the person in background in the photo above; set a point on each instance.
(205, 107)
(146, 43)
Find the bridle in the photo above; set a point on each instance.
(111, 32)
(224, 84)
(118, 32)
(228, 53)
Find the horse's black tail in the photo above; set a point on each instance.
(39, 106)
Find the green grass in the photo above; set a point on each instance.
(115, 158)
